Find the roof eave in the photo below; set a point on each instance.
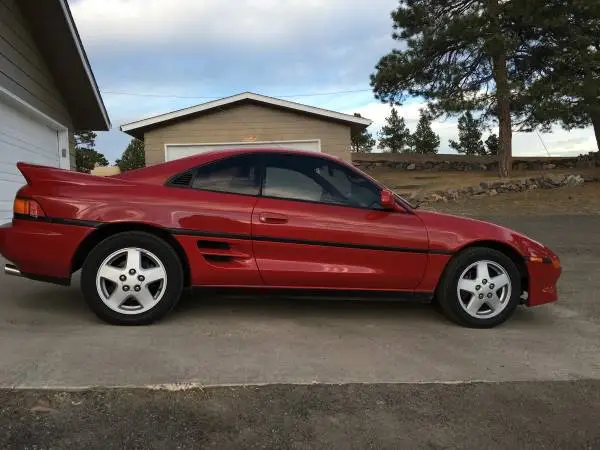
(58, 40)
(133, 128)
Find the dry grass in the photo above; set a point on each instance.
(580, 200)
(567, 200)
(406, 183)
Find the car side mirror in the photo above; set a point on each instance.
(387, 199)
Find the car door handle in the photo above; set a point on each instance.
(272, 218)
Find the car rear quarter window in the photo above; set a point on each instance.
(238, 175)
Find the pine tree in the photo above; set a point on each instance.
(469, 136)
(492, 145)
(86, 157)
(424, 139)
(362, 142)
(394, 135)
(560, 78)
(460, 55)
(133, 157)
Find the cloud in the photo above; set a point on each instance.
(218, 47)
(215, 48)
(184, 23)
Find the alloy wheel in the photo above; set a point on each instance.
(484, 289)
(131, 280)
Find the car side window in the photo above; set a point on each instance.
(307, 178)
(237, 175)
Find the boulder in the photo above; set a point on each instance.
(412, 166)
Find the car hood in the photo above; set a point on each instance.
(451, 233)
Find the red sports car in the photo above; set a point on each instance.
(260, 220)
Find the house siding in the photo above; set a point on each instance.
(23, 71)
(248, 122)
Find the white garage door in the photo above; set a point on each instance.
(176, 151)
(22, 138)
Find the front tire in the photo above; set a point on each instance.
(132, 278)
(480, 288)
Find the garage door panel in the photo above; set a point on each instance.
(22, 138)
(21, 153)
(176, 151)
(29, 144)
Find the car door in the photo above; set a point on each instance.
(319, 224)
(214, 211)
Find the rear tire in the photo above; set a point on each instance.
(480, 288)
(132, 278)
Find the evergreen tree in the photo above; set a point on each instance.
(460, 55)
(469, 136)
(86, 157)
(394, 135)
(424, 139)
(133, 157)
(492, 145)
(362, 142)
(560, 78)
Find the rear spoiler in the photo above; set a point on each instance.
(35, 174)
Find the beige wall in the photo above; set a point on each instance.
(239, 123)
(23, 71)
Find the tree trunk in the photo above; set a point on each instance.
(596, 123)
(502, 92)
(504, 117)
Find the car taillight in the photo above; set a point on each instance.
(28, 207)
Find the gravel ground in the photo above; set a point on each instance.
(545, 415)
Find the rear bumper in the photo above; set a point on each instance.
(543, 278)
(41, 250)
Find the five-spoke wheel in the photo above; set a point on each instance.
(484, 289)
(132, 278)
(480, 288)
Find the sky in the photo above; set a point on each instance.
(154, 56)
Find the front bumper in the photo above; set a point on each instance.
(543, 277)
(41, 250)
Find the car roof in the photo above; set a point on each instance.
(160, 171)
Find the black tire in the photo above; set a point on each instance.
(146, 241)
(447, 297)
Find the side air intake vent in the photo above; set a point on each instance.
(183, 180)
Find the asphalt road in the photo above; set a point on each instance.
(48, 338)
(300, 362)
(544, 415)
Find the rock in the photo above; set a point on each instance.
(533, 187)
(484, 185)
(492, 192)
(549, 166)
(412, 166)
(452, 194)
(433, 198)
(478, 190)
(574, 180)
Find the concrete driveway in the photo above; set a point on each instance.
(48, 338)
